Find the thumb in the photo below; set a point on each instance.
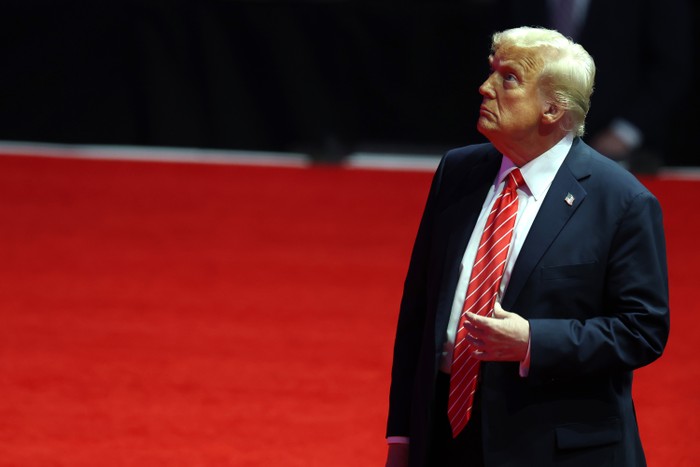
(499, 312)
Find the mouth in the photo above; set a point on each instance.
(484, 111)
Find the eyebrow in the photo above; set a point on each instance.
(510, 65)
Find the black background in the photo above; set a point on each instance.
(324, 77)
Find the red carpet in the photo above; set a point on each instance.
(197, 315)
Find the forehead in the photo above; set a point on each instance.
(528, 60)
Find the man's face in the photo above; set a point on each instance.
(512, 105)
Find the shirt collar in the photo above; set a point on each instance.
(539, 172)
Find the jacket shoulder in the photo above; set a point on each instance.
(599, 173)
(460, 161)
(472, 153)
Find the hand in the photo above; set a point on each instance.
(502, 337)
(397, 456)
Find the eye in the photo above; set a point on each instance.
(510, 77)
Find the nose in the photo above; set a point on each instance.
(486, 89)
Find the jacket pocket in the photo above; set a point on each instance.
(579, 435)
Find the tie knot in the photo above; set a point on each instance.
(514, 180)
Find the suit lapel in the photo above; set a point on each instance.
(552, 217)
(456, 223)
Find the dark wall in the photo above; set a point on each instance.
(321, 76)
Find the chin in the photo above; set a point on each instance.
(483, 129)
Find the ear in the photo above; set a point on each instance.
(552, 113)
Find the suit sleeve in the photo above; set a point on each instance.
(632, 327)
(411, 322)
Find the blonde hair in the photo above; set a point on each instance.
(567, 74)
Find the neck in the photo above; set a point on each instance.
(522, 152)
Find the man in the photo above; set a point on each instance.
(572, 246)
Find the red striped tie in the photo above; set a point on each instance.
(489, 264)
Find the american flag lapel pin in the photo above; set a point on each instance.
(569, 199)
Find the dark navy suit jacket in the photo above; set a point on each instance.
(591, 280)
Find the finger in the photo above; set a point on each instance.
(499, 312)
(475, 328)
(475, 342)
(476, 320)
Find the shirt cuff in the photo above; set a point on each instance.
(397, 439)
